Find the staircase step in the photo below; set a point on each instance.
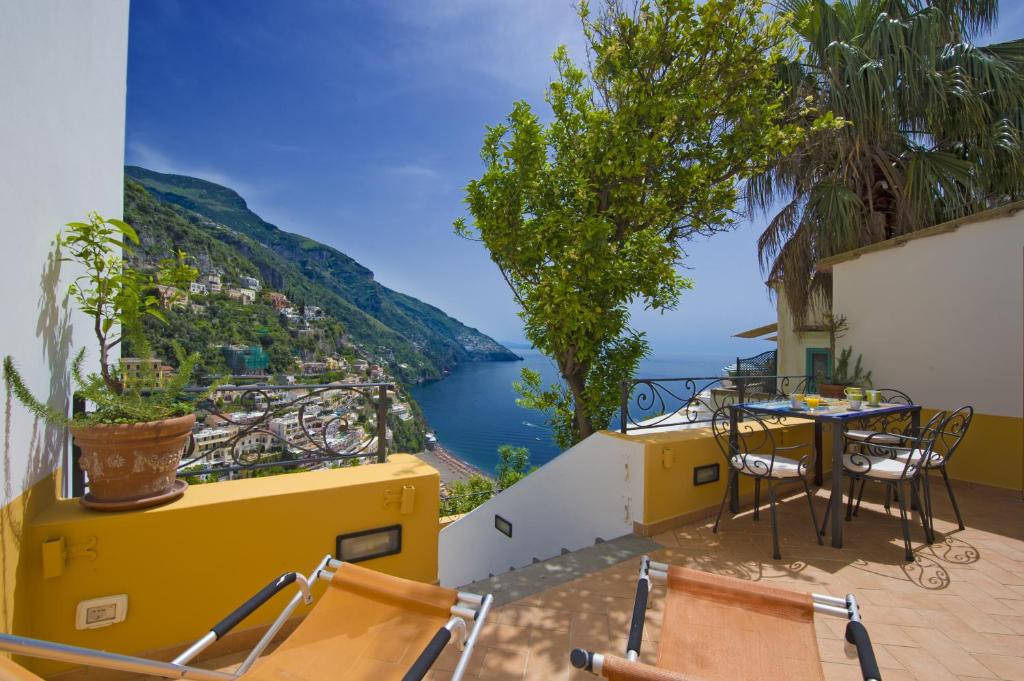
(531, 579)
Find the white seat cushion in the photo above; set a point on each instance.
(757, 464)
(879, 438)
(934, 458)
(881, 466)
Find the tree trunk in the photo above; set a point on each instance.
(575, 376)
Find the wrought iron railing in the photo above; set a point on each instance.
(261, 427)
(662, 402)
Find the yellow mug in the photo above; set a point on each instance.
(854, 393)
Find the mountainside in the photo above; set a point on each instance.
(215, 227)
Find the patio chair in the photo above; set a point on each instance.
(367, 626)
(755, 455)
(886, 423)
(948, 439)
(718, 628)
(950, 434)
(876, 461)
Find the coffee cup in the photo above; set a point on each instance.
(855, 404)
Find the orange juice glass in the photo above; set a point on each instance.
(813, 401)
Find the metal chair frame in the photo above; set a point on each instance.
(469, 608)
(754, 439)
(909, 477)
(652, 572)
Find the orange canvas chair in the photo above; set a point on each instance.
(725, 629)
(367, 626)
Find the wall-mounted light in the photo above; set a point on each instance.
(502, 525)
(368, 544)
(702, 475)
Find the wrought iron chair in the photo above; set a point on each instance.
(885, 428)
(950, 434)
(754, 454)
(877, 461)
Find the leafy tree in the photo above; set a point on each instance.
(514, 465)
(465, 495)
(585, 215)
(934, 126)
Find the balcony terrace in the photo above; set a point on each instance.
(956, 612)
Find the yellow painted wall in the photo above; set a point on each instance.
(992, 452)
(670, 457)
(187, 564)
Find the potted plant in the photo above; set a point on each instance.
(843, 376)
(133, 437)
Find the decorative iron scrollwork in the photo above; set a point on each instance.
(255, 444)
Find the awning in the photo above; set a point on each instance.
(759, 331)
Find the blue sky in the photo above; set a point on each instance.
(359, 123)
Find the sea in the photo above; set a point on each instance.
(473, 410)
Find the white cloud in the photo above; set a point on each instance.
(414, 170)
(508, 41)
(139, 153)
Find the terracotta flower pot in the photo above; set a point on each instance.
(830, 390)
(134, 461)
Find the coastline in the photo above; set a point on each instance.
(450, 466)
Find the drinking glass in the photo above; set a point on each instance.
(813, 401)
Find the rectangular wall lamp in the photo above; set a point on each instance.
(502, 525)
(703, 475)
(368, 544)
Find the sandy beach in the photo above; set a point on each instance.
(450, 466)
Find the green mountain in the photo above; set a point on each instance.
(216, 228)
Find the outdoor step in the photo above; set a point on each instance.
(539, 576)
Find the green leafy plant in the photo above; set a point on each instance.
(585, 216)
(933, 132)
(117, 299)
(465, 495)
(844, 374)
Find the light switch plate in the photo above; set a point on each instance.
(101, 612)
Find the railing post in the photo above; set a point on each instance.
(382, 424)
(741, 384)
(624, 406)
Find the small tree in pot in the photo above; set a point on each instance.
(133, 438)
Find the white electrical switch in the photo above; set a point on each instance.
(101, 612)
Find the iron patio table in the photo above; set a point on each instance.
(838, 417)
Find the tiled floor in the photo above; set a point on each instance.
(955, 613)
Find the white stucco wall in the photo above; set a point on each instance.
(942, 317)
(593, 490)
(793, 344)
(62, 83)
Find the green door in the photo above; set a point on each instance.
(819, 363)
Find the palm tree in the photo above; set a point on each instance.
(931, 130)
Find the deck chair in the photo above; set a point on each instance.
(367, 626)
(719, 628)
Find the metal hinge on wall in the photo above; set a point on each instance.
(406, 498)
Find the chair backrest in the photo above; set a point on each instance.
(753, 437)
(893, 423)
(923, 444)
(952, 431)
(894, 396)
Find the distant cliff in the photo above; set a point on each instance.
(215, 227)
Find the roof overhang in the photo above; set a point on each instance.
(1008, 210)
(759, 331)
